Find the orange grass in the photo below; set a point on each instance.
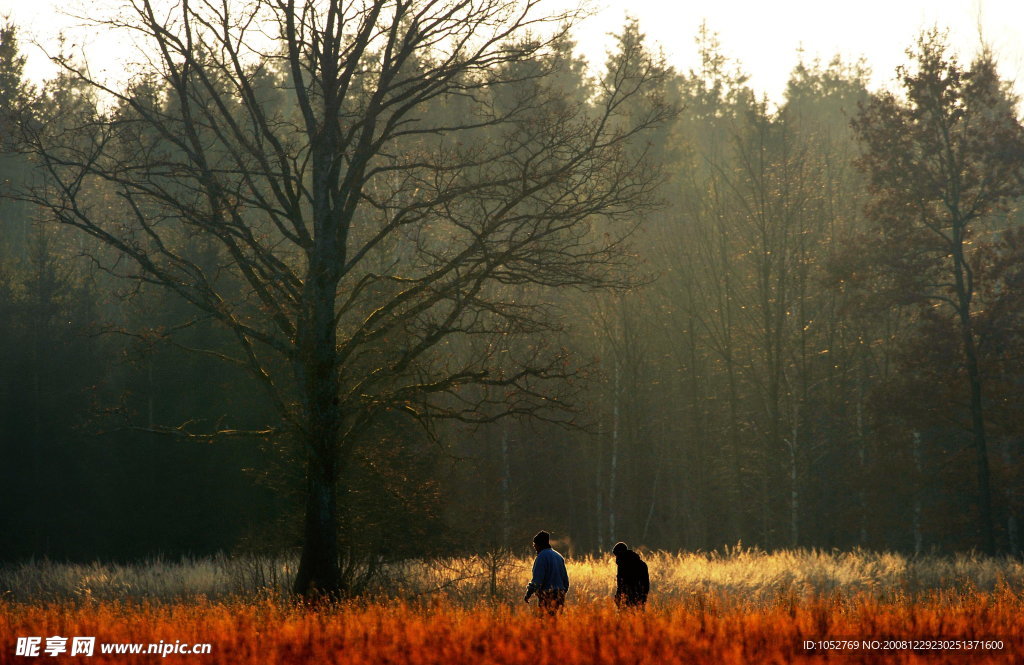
(696, 630)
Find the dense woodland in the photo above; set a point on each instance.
(809, 333)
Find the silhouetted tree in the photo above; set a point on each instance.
(368, 234)
(940, 162)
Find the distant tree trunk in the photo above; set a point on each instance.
(862, 503)
(794, 478)
(150, 392)
(918, 489)
(734, 445)
(650, 509)
(506, 479)
(964, 294)
(616, 397)
(599, 516)
(1012, 524)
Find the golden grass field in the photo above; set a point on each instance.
(743, 607)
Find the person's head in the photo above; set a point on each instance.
(542, 541)
(619, 549)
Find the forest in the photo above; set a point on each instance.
(419, 283)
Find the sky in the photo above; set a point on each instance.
(764, 36)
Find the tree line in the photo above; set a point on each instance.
(413, 277)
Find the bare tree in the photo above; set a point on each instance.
(368, 202)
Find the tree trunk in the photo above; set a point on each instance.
(1012, 524)
(506, 490)
(319, 569)
(964, 296)
(794, 484)
(919, 481)
(615, 456)
(316, 367)
(988, 541)
(862, 501)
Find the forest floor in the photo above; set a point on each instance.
(742, 607)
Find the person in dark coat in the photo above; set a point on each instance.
(632, 582)
(550, 580)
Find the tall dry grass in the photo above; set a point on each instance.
(742, 606)
(747, 574)
(696, 630)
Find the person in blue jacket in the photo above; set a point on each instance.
(550, 580)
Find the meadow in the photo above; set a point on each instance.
(742, 606)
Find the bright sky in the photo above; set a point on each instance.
(763, 35)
